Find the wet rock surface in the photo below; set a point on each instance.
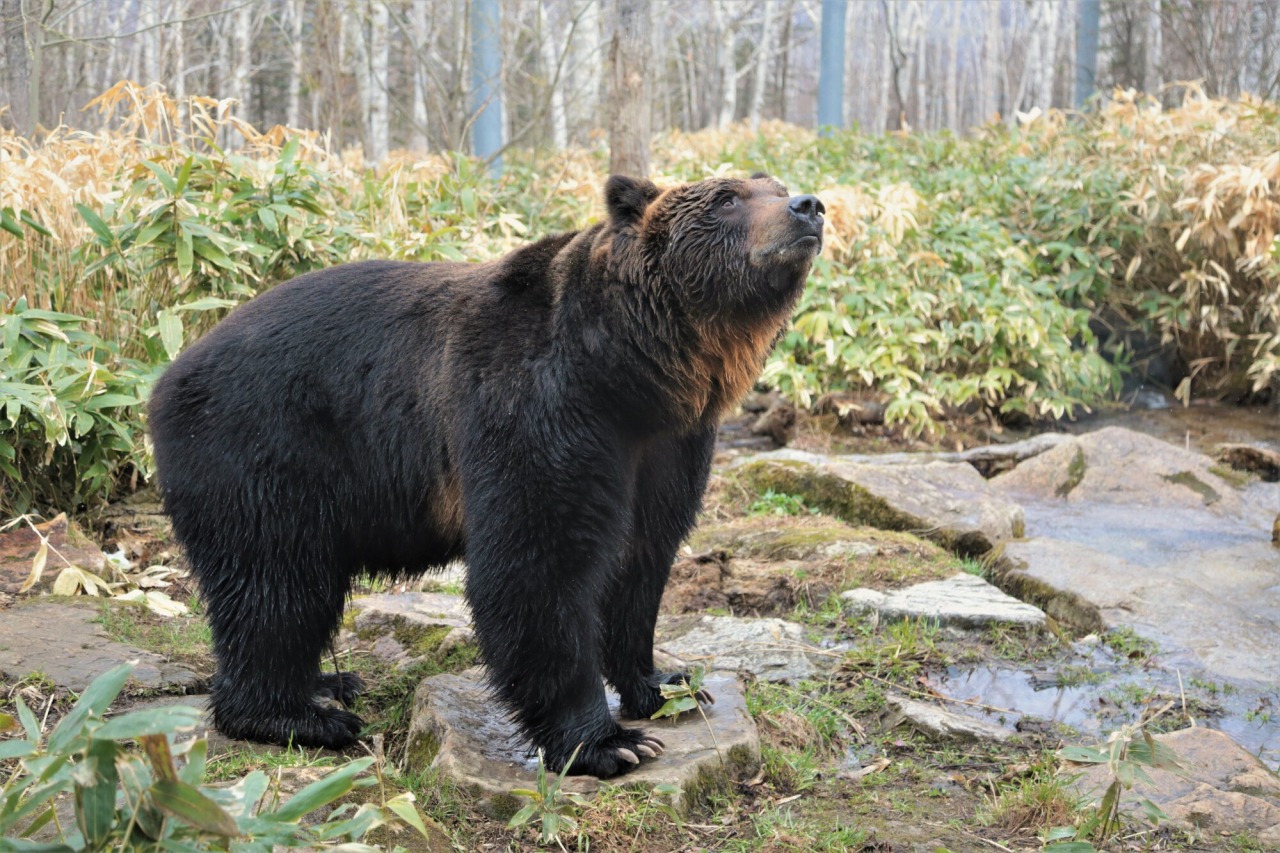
(67, 645)
(963, 601)
(1128, 531)
(1224, 789)
(455, 729)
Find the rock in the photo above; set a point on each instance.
(938, 722)
(395, 626)
(67, 546)
(1255, 460)
(1225, 788)
(949, 502)
(1116, 465)
(770, 649)
(862, 601)
(456, 728)
(65, 643)
(963, 601)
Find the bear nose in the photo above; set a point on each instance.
(808, 207)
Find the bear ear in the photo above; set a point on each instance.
(626, 198)
(757, 175)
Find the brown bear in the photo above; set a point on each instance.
(548, 416)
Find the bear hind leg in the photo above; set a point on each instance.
(268, 639)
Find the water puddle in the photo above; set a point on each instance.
(1095, 692)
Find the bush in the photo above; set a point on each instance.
(124, 798)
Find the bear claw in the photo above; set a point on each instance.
(627, 755)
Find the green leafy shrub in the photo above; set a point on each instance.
(128, 799)
(69, 425)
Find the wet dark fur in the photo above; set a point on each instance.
(548, 416)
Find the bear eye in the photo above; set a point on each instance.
(731, 201)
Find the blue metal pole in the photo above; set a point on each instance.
(486, 82)
(831, 67)
(1087, 50)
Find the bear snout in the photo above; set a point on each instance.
(808, 208)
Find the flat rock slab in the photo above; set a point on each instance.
(65, 643)
(948, 502)
(940, 723)
(963, 601)
(1226, 789)
(770, 649)
(457, 729)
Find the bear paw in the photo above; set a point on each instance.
(612, 756)
(346, 687)
(331, 728)
(649, 699)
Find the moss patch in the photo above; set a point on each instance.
(1075, 474)
(1207, 493)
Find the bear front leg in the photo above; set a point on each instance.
(670, 482)
(545, 525)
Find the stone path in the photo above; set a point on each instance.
(67, 645)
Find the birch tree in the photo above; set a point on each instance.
(17, 69)
(764, 56)
(377, 109)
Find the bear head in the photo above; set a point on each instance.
(737, 250)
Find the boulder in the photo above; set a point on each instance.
(1224, 789)
(948, 502)
(1117, 465)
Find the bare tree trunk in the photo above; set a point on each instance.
(764, 53)
(549, 47)
(953, 69)
(240, 75)
(179, 54)
(585, 60)
(419, 139)
(727, 31)
(993, 60)
(17, 70)
(297, 9)
(149, 24)
(1035, 88)
(1153, 48)
(379, 84)
(629, 123)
